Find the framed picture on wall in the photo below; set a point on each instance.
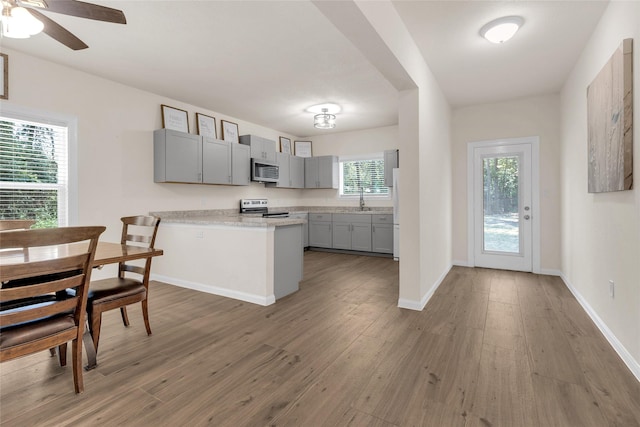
(230, 131)
(285, 145)
(303, 148)
(175, 119)
(206, 126)
(4, 78)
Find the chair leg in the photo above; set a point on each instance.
(52, 351)
(62, 352)
(77, 365)
(96, 322)
(145, 314)
(125, 318)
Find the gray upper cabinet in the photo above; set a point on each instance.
(291, 171)
(216, 161)
(321, 172)
(391, 160)
(177, 156)
(284, 178)
(240, 164)
(182, 157)
(261, 148)
(296, 171)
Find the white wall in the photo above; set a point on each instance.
(601, 232)
(534, 116)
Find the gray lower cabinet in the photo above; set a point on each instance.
(305, 226)
(240, 164)
(321, 172)
(320, 230)
(177, 156)
(352, 232)
(382, 233)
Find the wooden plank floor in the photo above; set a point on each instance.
(492, 348)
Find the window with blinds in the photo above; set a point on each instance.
(33, 172)
(366, 173)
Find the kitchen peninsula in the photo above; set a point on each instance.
(239, 256)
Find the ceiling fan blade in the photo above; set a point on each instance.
(82, 10)
(58, 32)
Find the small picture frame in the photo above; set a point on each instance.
(175, 119)
(230, 131)
(206, 126)
(4, 78)
(285, 145)
(303, 148)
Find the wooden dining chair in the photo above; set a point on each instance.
(16, 224)
(32, 319)
(118, 292)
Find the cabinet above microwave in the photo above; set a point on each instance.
(261, 148)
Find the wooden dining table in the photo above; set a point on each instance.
(106, 253)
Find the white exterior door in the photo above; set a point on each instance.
(502, 205)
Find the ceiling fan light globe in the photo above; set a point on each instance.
(26, 21)
(12, 29)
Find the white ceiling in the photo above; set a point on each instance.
(267, 61)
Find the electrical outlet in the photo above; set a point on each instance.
(200, 235)
(612, 288)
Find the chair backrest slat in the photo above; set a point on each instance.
(16, 224)
(150, 223)
(20, 291)
(38, 311)
(42, 268)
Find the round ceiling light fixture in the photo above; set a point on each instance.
(502, 29)
(325, 115)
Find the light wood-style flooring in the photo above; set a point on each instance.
(492, 348)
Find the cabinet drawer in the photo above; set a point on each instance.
(352, 218)
(317, 217)
(382, 218)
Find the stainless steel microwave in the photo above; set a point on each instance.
(264, 171)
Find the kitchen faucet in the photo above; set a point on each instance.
(361, 198)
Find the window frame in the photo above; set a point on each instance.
(11, 111)
(359, 157)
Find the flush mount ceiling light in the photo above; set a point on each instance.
(324, 120)
(325, 115)
(18, 23)
(502, 29)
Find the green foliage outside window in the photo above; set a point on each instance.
(367, 175)
(27, 159)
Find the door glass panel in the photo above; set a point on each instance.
(501, 230)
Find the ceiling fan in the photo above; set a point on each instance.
(29, 9)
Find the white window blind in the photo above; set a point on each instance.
(364, 172)
(34, 172)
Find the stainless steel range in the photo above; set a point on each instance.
(260, 206)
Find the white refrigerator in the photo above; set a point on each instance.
(396, 214)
